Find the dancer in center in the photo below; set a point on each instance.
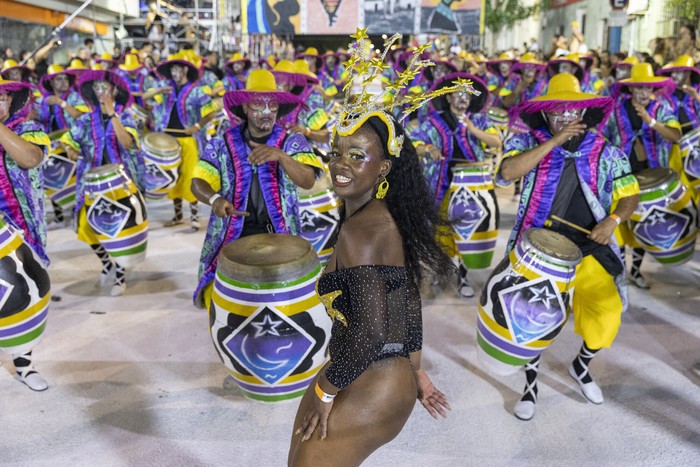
(362, 398)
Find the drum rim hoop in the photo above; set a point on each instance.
(101, 171)
(529, 246)
(672, 177)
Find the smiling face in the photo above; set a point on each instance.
(262, 114)
(357, 164)
(641, 94)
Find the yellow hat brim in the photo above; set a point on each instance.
(565, 96)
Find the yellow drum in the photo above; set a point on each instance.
(117, 213)
(24, 292)
(59, 174)
(526, 301)
(320, 220)
(266, 320)
(473, 210)
(162, 156)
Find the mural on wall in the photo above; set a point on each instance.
(332, 16)
(271, 16)
(390, 16)
(344, 16)
(450, 16)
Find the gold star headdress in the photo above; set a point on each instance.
(363, 71)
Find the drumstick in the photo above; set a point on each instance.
(565, 222)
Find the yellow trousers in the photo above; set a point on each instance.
(190, 157)
(597, 304)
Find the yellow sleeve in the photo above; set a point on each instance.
(624, 187)
(134, 134)
(209, 107)
(67, 139)
(308, 158)
(37, 137)
(207, 172)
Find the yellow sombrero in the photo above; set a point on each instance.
(682, 63)
(553, 65)
(9, 65)
(260, 83)
(131, 63)
(180, 58)
(564, 92)
(237, 57)
(53, 71)
(302, 67)
(628, 62)
(286, 72)
(105, 57)
(643, 75)
(492, 65)
(311, 52)
(530, 60)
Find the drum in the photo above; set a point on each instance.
(162, 158)
(526, 301)
(473, 212)
(266, 320)
(117, 213)
(690, 154)
(59, 174)
(141, 115)
(665, 221)
(318, 212)
(24, 292)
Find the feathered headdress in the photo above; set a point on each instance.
(364, 72)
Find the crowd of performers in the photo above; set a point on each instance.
(597, 165)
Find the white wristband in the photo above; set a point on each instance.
(213, 198)
(652, 123)
(64, 104)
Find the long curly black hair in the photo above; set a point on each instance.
(412, 206)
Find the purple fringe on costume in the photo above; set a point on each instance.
(605, 104)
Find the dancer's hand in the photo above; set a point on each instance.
(431, 397)
(316, 416)
(573, 129)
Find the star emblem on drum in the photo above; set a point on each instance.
(542, 295)
(57, 171)
(267, 326)
(532, 309)
(317, 228)
(661, 227)
(5, 290)
(327, 300)
(466, 211)
(157, 178)
(269, 345)
(107, 216)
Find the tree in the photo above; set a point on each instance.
(688, 10)
(501, 14)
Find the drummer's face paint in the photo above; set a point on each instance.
(5, 104)
(622, 72)
(529, 72)
(439, 71)
(459, 102)
(262, 113)
(679, 77)
(558, 120)
(641, 94)
(566, 67)
(103, 90)
(14, 75)
(178, 74)
(357, 164)
(312, 63)
(504, 68)
(60, 84)
(237, 67)
(331, 61)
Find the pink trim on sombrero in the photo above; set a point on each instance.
(660, 87)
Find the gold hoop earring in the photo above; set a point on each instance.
(382, 189)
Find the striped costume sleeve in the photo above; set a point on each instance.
(515, 145)
(624, 183)
(38, 137)
(299, 149)
(208, 167)
(208, 173)
(208, 107)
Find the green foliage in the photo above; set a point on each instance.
(688, 10)
(501, 14)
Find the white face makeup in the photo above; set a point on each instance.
(622, 72)
(641, 94)
(679, 77)
(504, 68)
(177, 72)
(60, 84)
(529, 72)
(262, 113)
(103, 90)
(5, 104)
(459, 102)
(566, 67)
(558, 120)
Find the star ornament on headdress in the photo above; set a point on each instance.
(365, 71)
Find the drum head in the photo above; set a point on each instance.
(477, 165)
(655, 179)
(553, 245)
(161, 143)
(267, 258)
(497, 113)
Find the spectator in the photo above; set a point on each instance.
(686, 41)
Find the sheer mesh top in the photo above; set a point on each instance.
(376, 312)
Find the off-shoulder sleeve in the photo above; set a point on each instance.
(368, 329)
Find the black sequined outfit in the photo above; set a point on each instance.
(376, 313)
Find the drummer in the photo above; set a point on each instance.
(454, 132)
(182, 111)
(23, 147)
(60, 106)
(573, 172)
(237, 69)
(645, 126)
(255, 167)
(136, 76)
(686, 97)
(106, 135)
(532, 82)
(312, 119)
(500, 76)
